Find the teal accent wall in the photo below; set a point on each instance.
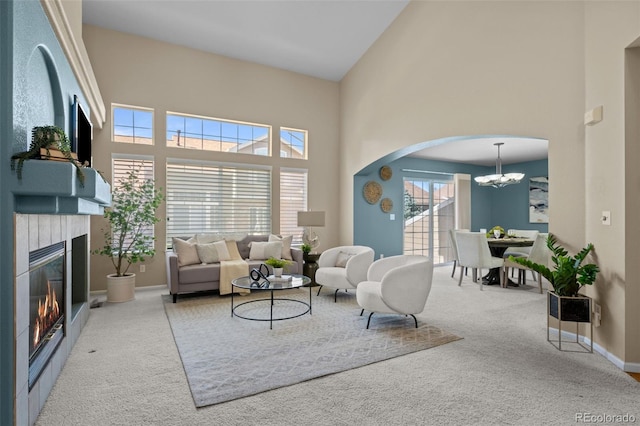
(6, 214)
(508, 207)
(37, 87)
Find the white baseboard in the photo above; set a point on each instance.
(631, 367)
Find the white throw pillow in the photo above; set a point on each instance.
(262, 250)
(186, 251)
(223, 251)
(208, 253)
(286, 245)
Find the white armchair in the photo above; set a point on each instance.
(343, 267)
(396, 285)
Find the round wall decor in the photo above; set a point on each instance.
(386, 205)
(385, 172)
(372, 192)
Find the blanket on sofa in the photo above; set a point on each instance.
(231, 269)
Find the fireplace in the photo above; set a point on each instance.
(46, 305)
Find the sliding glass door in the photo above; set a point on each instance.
(429, 214)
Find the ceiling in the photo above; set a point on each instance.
(482, 152)
(319, 38)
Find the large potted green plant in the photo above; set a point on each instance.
(126, 239)
(567, 277)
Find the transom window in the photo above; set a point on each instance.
(132, 124)
(293, 143)
(210, 134)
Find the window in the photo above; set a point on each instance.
(143, 166)
(209, 134)
(217, 198)
(132, 124)
(429, 207)
(293, 143)
(293, 198)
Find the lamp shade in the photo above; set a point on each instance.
(310, 218)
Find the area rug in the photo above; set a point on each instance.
(227, 357)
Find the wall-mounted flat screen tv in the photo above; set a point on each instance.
(82, 133)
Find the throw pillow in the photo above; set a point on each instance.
(208, 253)
(343, 258)
(223, 251)
(186, 251)
(262, 250)
(286, 245)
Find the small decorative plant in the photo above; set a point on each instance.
(47, 138)
(277, 263)
(490, 234)
(306, 248)
(132, 212)
(569, 274)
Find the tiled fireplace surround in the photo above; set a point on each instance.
(34, 231)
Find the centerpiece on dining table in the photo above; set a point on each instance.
(496, 232)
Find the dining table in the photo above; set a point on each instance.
(498, 247)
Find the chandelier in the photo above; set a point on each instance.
(499, 179)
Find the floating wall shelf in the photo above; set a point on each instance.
(52, 187)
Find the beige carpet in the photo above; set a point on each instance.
(225, 358)
(125, 370)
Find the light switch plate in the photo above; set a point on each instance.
(606, 217)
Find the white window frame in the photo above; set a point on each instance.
(252, 146)
(286, 150)
(120, 168)
(217, 198)
(115, 106)
(293, 198)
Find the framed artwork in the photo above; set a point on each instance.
(539, 199)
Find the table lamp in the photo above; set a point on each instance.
(309, 219)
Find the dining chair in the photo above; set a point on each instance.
(540, 254)
(474, 252)
(529, 234)
(454, 245)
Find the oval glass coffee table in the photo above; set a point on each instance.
(273, 286)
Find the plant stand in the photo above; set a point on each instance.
(310, 267)
(569, 309)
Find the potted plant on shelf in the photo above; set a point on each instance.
(126, 239)
(49, 143)
(567, 277)
(278, 265)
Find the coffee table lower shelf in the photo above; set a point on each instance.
(297, 282)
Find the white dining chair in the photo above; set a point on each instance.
(474, 252)
(454, 245)
(540, 254)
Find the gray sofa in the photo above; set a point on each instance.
(202, 277)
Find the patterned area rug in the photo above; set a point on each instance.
(228, 357)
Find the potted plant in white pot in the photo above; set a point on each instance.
(567, 277)
(126, 241)
(278, 265)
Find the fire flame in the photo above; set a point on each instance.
(48, 314)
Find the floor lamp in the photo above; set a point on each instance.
(309, 219)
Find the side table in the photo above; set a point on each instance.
(310, 267)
